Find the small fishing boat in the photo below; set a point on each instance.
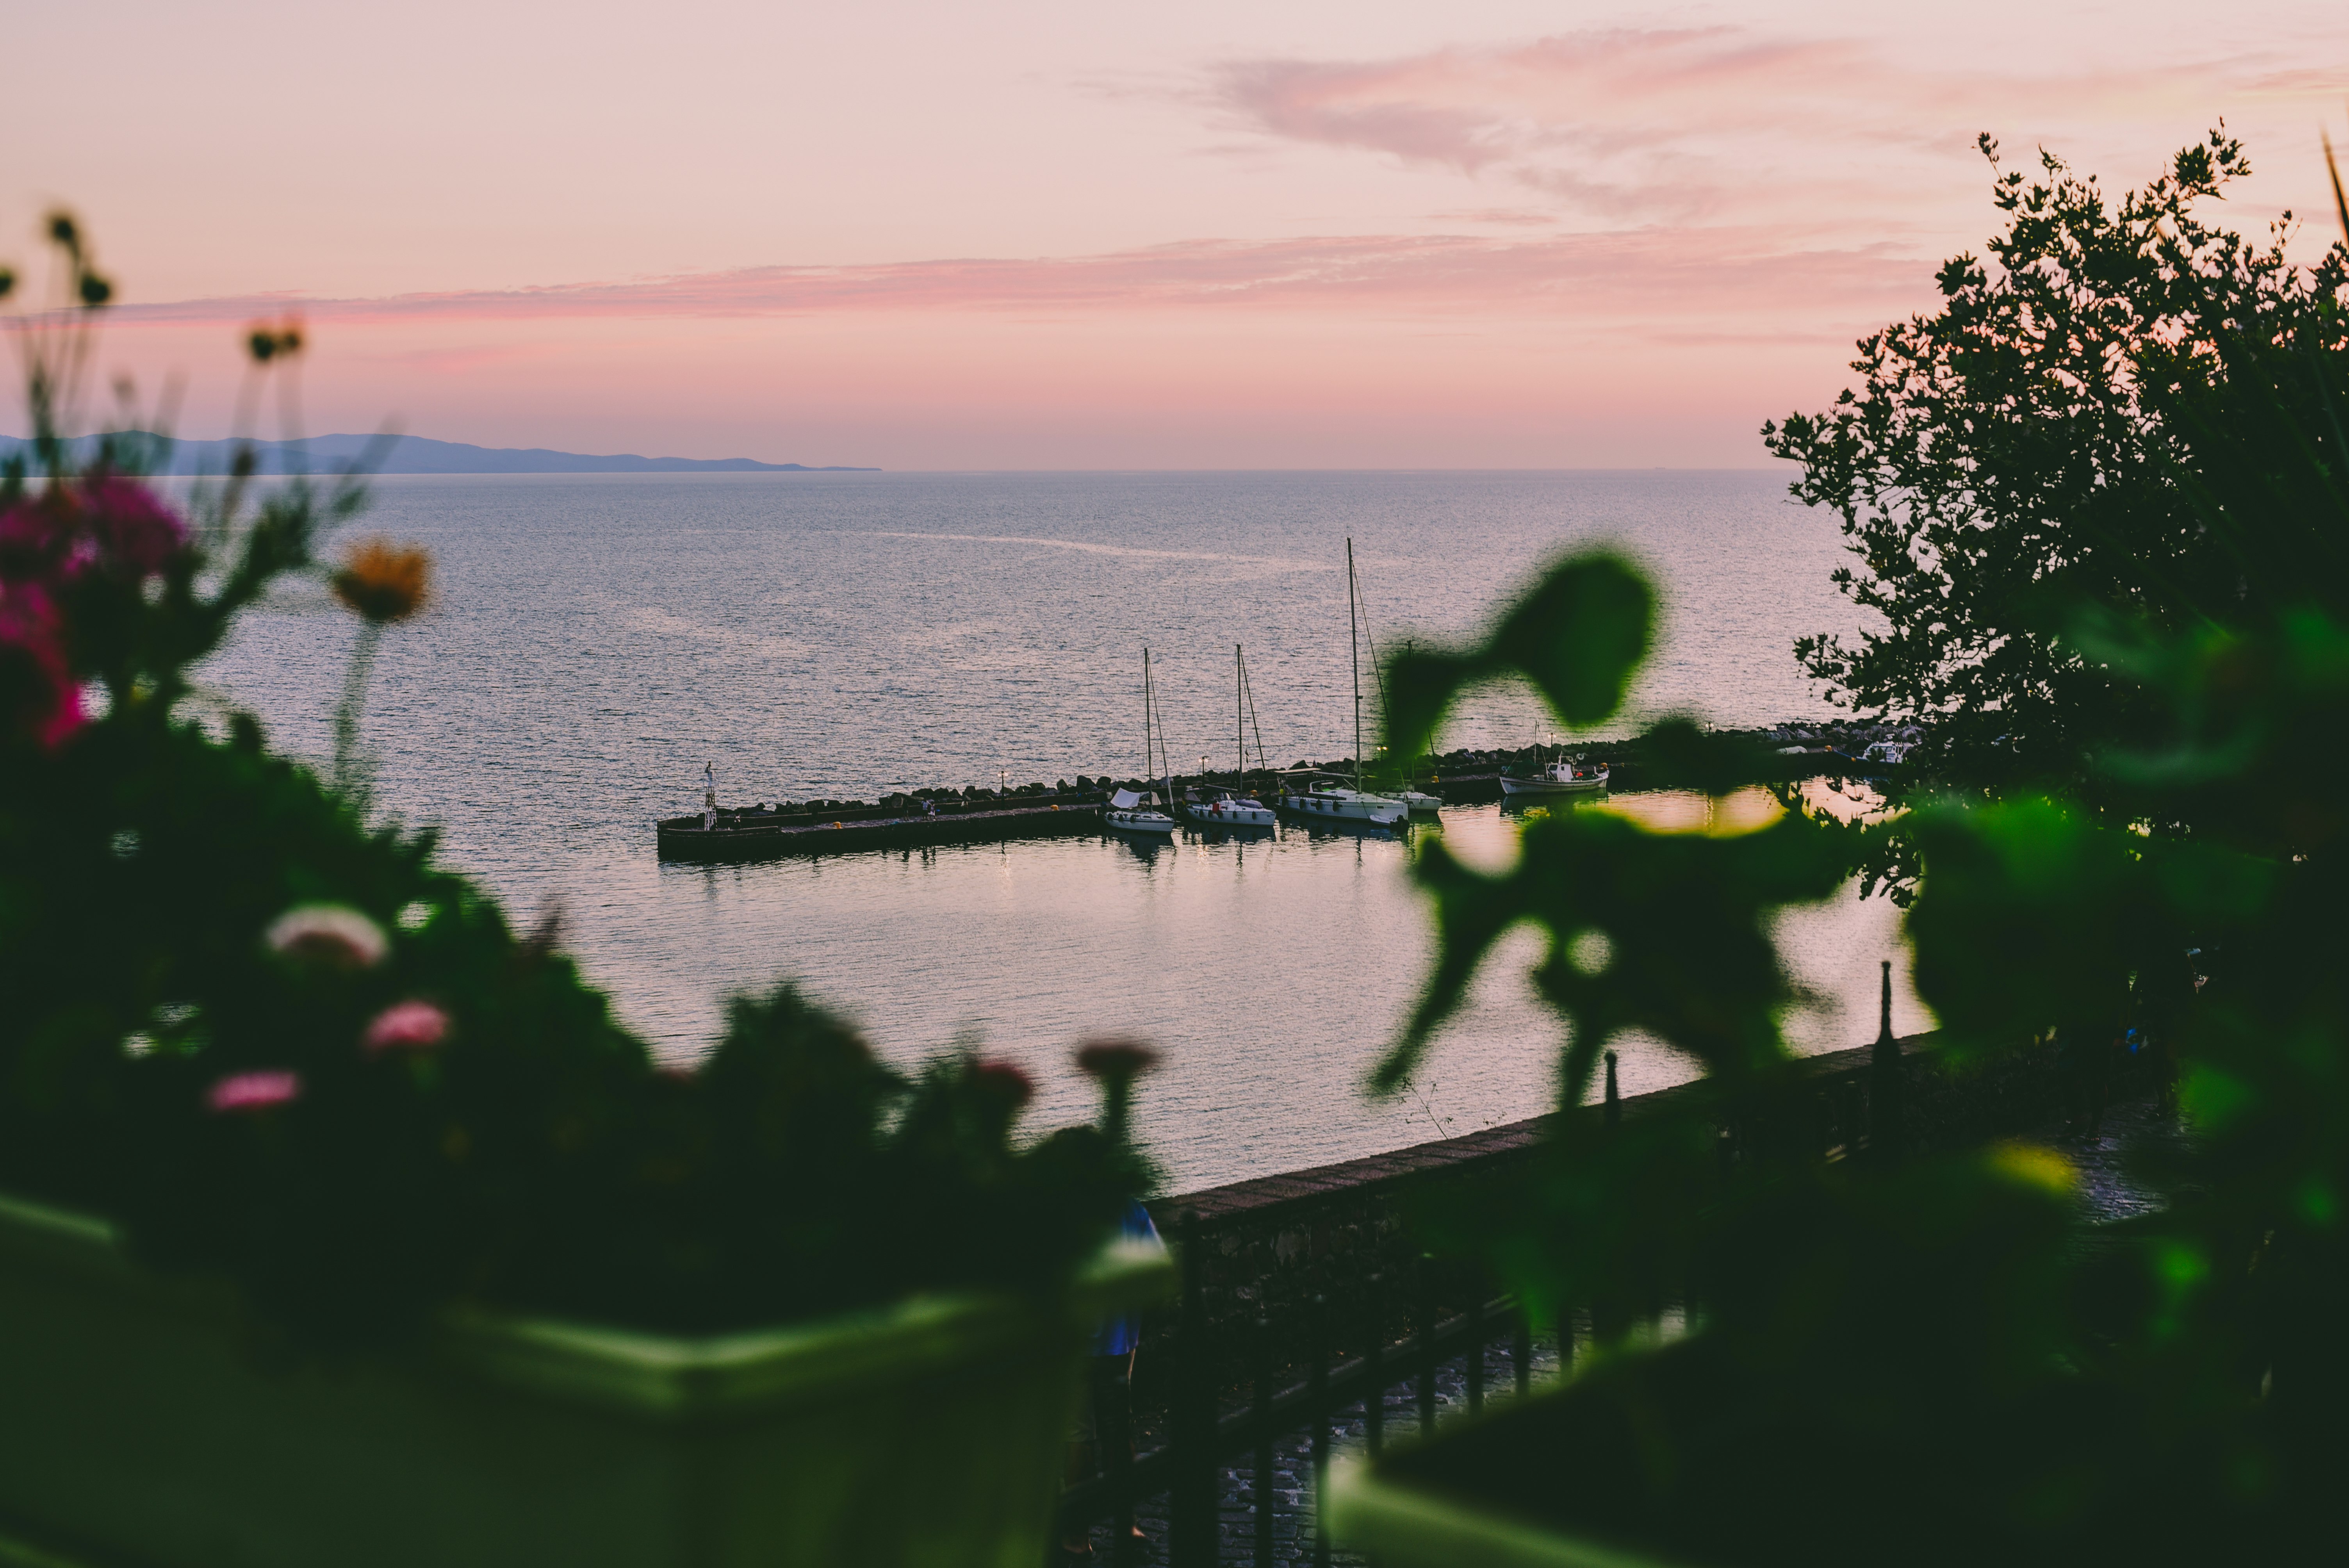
(1566, 775)
(1132, 813)
(1327, 800)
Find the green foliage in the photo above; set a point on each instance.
(2100, 500)
(275, 1042)
(2123, 409)
(1579, 633)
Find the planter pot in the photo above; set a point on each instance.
(142, 1428)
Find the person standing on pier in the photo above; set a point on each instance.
(709, 796)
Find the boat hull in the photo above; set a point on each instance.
(1513, 786)
(1351, 813)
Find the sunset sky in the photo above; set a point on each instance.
(1090, 235)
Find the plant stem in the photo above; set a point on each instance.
(348, 766)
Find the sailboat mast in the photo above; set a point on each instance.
(1355, 654)
(1146, 713)
(1239, 715)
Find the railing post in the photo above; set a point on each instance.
(1116, 1455)
(1374, 1355)
(1262, 1418)
(1614, 1095)
(1318, 1398)
(1887, 1131)
(1477, 1347)
(1427, 1347)
(1521, 1349)
(1191, 1510)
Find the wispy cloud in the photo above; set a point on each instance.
(1638, 275)
(1689, 124)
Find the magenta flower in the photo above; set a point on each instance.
(253, 1090)
(1114, 1064)
(32, 542)
(37, 692)
(406, 1026)
(330, 934)
(137, 535)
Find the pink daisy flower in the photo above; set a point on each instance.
(253, 1090)
(406, 1026)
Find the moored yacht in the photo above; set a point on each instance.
(1228, 809)
(1327, 800)
(1135, 813)
(1132, 813)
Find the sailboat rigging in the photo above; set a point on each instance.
(1326, 800)
(1413, 800)
(1127, 809)
(1212, 806)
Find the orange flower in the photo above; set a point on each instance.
(384, 581)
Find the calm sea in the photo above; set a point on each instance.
(595, 639)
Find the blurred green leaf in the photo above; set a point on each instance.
(1580, 636)
(1421, 684)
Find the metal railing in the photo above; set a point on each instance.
(1214, 1421)
(1212, 1426)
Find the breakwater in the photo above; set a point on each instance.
(944, 814)
(758, 832)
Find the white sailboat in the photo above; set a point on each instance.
(1214, 805)
(1322, 800)
(1229, 808)
(1131, 813)
(1417, 802)
(1128, 811)
(1328, 801)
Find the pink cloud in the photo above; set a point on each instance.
(1635, 274)
(1677, 124)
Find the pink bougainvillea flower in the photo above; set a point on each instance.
(332, 934)
(136, 534)
(406, 1026)
(38, 694)
(33, 539)
(253, 1090)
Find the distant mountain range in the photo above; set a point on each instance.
(418, 455)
